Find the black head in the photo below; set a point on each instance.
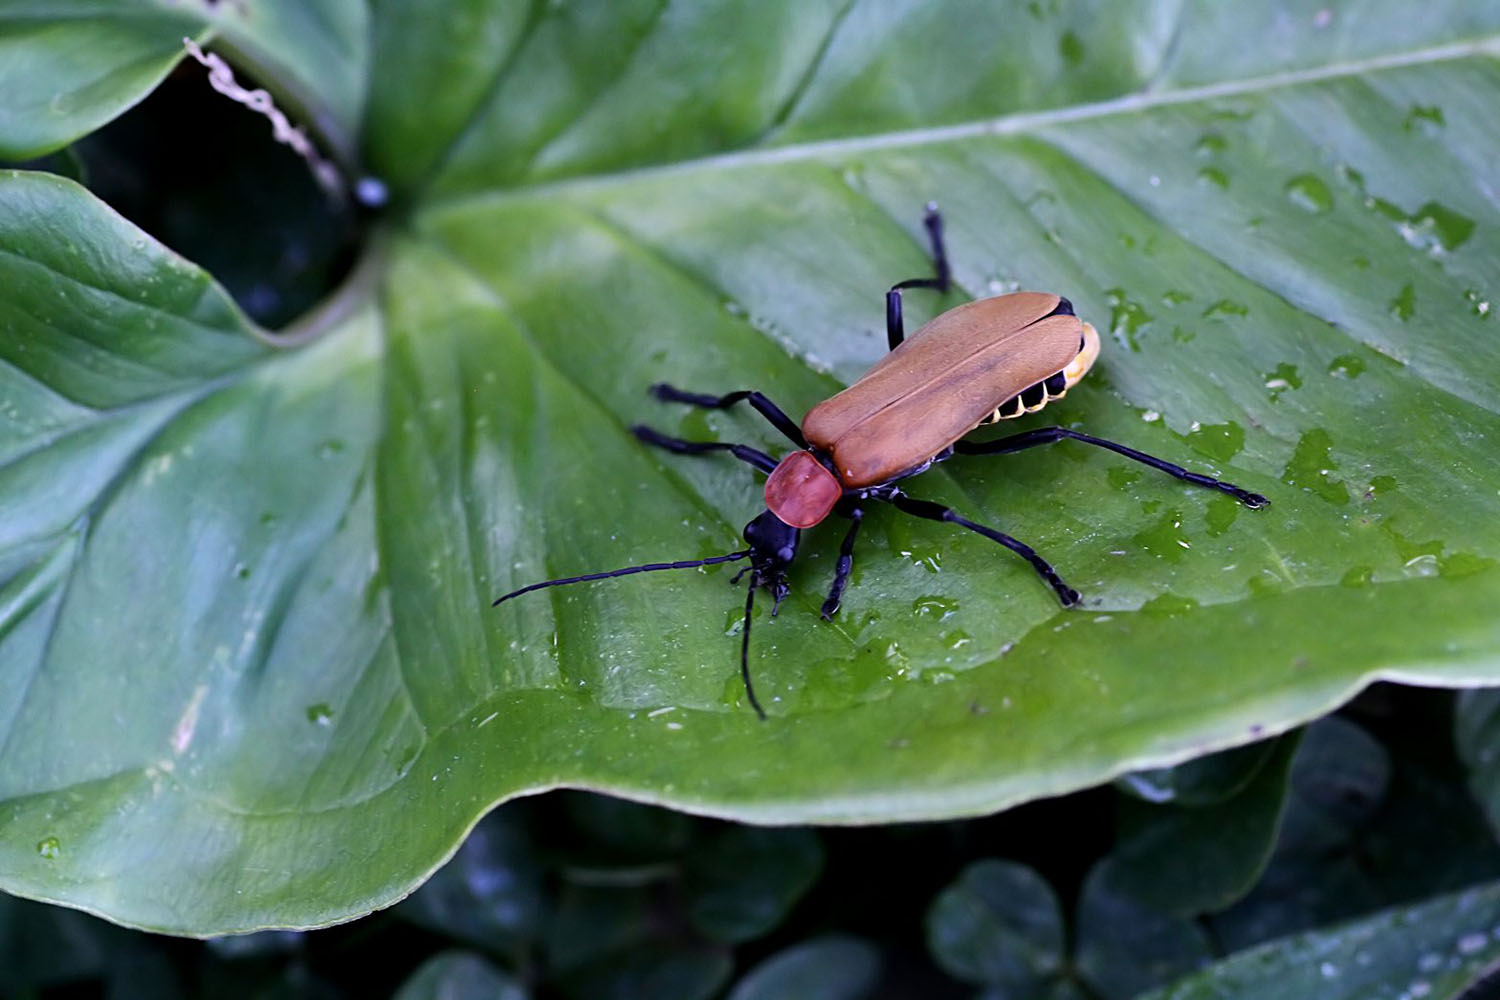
(773, 546)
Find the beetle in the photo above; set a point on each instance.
(982, 362)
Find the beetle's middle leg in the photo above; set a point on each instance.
(895, 329)
(937, 512)
(845, 563)
(762, 405)
(1047, 435)
(751, 456)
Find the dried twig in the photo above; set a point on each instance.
(221, 78)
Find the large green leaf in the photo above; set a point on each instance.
(248, 670)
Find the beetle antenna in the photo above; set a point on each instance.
(745, 648)
(627, 571)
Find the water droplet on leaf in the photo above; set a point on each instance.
(1404, 305)
(1309, 193)
(1215, 176)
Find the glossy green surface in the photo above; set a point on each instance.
(1439, 950)
(248, 671)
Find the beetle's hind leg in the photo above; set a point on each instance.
(845, 563)
(751, 456)
(1047, 435)
(761, 404)
(937, 512)
(895, 329)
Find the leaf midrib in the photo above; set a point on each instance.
(1016, 123)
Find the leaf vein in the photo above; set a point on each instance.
(1018, 123)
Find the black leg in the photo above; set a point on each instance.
(937, 512)
(895, 330)
(845, 565)
(745, 453)
(762, 405)
(1046, 435)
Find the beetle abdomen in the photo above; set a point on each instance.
(1035, 397)
(942, 382)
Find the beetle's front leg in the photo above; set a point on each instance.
(743, 452)
(845, 563)
(762, 405)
